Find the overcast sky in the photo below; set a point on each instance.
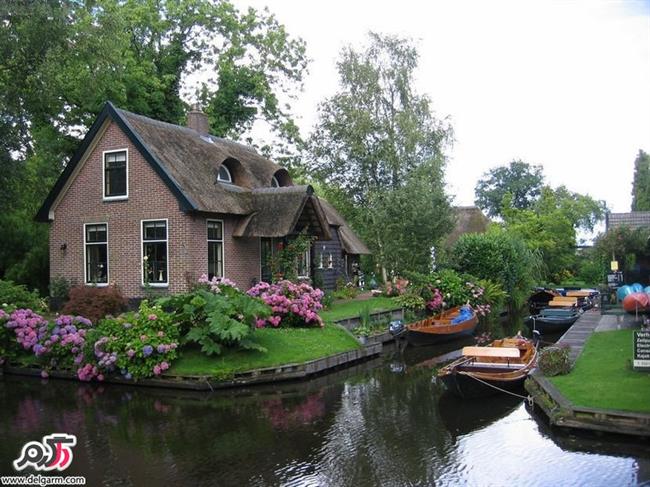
(565, 85)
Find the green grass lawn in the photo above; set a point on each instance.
(284, 345)
(603, 376)
(349, 309)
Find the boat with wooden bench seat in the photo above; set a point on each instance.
(449, 325)
(481, 371)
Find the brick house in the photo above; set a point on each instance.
(144, 202)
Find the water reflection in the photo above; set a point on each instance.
(376, 424)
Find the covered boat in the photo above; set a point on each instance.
(540, 299)
(636, 302)
(448, 325)
(481, 371)
(553, 320)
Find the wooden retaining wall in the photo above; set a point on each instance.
(561, 412)
(267, 375)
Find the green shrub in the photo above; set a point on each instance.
(17, 296)
(60, 288)
(95, 302)
(216, 320)
(502, 258)
(411, 300)
(554, 361)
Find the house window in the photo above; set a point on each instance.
(303, 264)
(215, 248)
(154, 252)
(116, 177)
(224, 174)
(96, 253)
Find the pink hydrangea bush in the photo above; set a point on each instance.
(292, 304)
(216, 284)
(30, 329)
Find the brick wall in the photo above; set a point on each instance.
(149, 198)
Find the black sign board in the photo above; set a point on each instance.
(614, 279)
(641, 358)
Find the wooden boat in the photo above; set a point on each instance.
(553, 320)
(443, 327)
(540, 299)
(481, 371)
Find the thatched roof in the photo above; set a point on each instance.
(351, 243)
(469, 219)
(188, 162)
(283, 211)
(193, 160)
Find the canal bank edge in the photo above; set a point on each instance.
(562, 412)
(266, 375)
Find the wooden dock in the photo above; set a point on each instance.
(560, 411)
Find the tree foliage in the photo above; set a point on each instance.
(378, 149)
(551, 225)
(623, 244)
(502, 257)
(641, 182)
(522, 181)
(62, 59)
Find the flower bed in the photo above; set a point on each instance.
(293, 305)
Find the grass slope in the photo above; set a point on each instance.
(603, 376)
(348, 309)
(284, 345)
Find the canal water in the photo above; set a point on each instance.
(381, 423)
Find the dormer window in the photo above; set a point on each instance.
(116, 175)
(224, 175)
(274, 182)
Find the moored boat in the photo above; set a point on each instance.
(553, 320)
(448, 325)
(481, 371)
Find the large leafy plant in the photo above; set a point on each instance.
(217, 318)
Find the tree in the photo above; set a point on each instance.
(550, 226)
(523, 181)
(623, 244)
(379, 144)
(641, 182)
(62, 59)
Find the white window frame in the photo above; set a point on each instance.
(142, 242)
(274, 182)
(223, 245)
(108, 257)
(223, 166)
(120, 197)
(307, 255)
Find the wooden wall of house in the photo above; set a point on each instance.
(328, 275)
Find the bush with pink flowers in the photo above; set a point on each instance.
(293, 305)
(134, 345)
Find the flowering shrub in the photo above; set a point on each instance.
(135, 345)
(65, 340)
(215, 315)
(291, 304)
(30, 329)
(216, 284)
(396, 288)
(95, 302)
